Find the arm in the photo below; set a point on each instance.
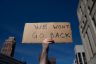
(43, 58)
(44, 54)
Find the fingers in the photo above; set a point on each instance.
(48, 40)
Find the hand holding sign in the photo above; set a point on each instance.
(46, 42)
(37, 32)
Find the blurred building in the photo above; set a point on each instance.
(87, 18)
(9, 60)
(7, 52)
(79, 55)
(9, 47)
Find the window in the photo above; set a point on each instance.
(94, 20)
(85, 18)
(80, 58)
(84, 58)
(93, 0)
(77, 59)
(89, 8)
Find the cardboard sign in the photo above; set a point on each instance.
(60, 32)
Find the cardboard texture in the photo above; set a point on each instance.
(60, 32)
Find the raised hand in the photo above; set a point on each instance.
(46, 42)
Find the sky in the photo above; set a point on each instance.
(15, 13)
